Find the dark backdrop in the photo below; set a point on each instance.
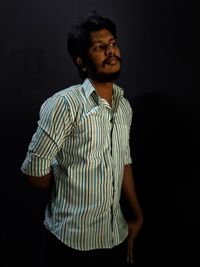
(157, 39)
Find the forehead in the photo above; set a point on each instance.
(101, 36)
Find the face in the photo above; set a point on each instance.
(103, 56)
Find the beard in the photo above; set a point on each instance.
(102, 77)
(105, 77)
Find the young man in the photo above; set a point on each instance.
(81, 151)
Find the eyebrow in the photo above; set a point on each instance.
(99, 41)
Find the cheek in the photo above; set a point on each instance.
(96, 60)
(99, 60)
(118, 53)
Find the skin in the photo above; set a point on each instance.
(104, 53)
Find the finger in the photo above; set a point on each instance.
(130, 251)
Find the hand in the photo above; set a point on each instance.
(133, 230)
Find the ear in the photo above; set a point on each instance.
(79, 61)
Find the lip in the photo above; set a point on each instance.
(112, 61)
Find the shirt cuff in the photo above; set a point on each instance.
(35, 166)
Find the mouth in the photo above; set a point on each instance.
(112, 61)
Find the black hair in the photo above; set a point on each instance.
(78, 39)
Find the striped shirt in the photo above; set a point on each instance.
(85, 142)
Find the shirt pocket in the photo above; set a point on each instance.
(93, 131)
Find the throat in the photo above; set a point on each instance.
(104, 90)
(107, 96)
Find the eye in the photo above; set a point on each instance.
(113, 44)
(99, 48)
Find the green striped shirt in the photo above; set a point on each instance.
(85, 143)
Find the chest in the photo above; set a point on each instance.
(101, 127)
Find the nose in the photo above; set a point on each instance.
(109, 50)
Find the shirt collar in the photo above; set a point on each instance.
(89, 90)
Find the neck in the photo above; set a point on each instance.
(103, 89)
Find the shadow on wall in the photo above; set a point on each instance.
(164, 175)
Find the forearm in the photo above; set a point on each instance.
(43, 182)
(129, 193)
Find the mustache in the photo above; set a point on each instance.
(111, 58)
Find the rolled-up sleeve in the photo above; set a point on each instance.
(54, 125)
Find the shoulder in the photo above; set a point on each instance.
(69, 100)
(127, 110)
(124, 102)
(71, 96)
(126, 106)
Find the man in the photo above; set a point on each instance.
(81, 151)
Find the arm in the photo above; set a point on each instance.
(130, 196)
(53, 127)
(129, 193)
(40, 188)
(43, 182)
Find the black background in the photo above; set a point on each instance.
(158, 44)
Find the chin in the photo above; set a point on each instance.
(104, 77)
